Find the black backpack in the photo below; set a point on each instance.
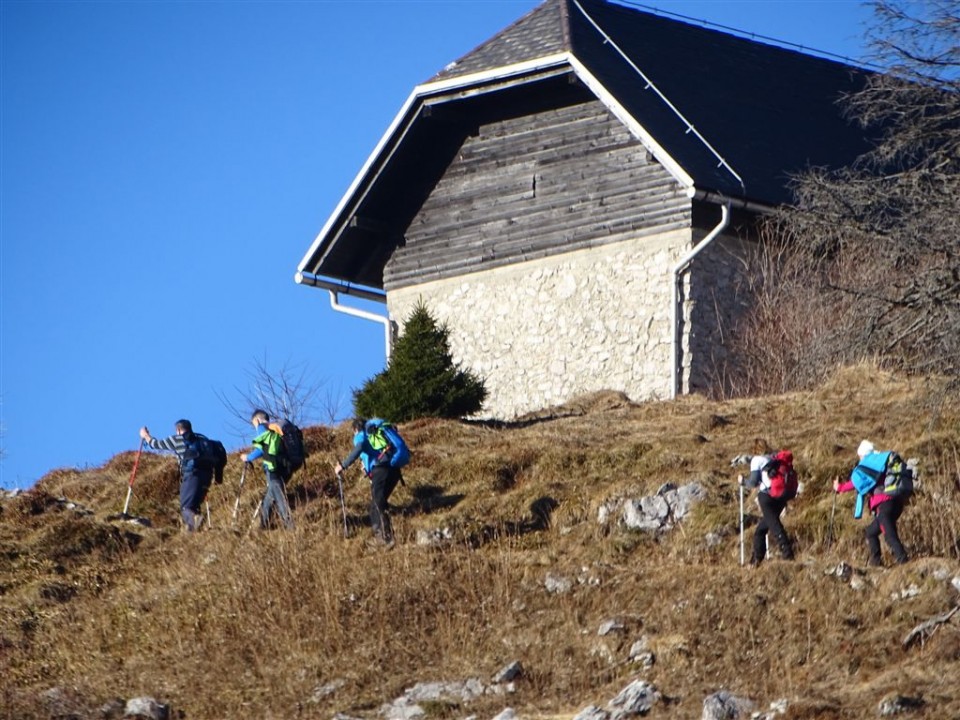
(292, 455)
(210, 454)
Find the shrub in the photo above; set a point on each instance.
(421, 380)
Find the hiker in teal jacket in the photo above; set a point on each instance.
(267, 445)
(886, 510)
(383, 480)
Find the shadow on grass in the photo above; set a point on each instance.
(541, 511)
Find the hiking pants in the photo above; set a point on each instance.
(383, 480)
(275, 498)
(193, 491)
(771, 508)
(885, 516)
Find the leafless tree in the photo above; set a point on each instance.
(875, 248)
(291, 392)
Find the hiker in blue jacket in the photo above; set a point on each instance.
(886, 510)
(195, 478)
(383, 479)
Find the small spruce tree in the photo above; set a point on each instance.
(421, 380)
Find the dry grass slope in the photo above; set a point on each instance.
(233, 623)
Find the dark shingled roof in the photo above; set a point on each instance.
(539, 33)
(769, 113)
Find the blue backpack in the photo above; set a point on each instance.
(387, 442)
(883, 472)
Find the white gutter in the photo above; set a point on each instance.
(335, 289)
(675, 344)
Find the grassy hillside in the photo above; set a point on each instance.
(234, 623)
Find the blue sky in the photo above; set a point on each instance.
(165, 165)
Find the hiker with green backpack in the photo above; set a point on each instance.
(382, 452)
(885, 481)
(268, 446)
(201, 462)
(772, 474)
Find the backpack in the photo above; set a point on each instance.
(385, 439)
(783, 478)
(292, 455)
(884, 472)
(210, 454)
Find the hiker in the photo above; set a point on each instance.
(768, 473)
(886, 509)
(383, 479)
(195, 477)
(268, 445)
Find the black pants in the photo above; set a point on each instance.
(885, 517)
(771, 508)
(383, 480)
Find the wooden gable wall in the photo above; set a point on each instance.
(534, 186)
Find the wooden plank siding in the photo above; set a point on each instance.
(535, 186)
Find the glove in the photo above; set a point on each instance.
(741, 460)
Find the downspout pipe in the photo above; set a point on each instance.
(335, 289)
(676, 344)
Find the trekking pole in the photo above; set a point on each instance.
(133, 474)
(236, 505)
(740, 482)
(343, 506)
(208, 516)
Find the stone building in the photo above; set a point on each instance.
(572, 198)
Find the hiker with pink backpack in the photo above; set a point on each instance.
(772, 474)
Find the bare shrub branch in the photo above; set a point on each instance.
(290, 392)
(866, 264)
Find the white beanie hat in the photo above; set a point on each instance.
(866, 447)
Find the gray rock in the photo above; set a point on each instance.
(508, 672)
(325, 690)
(557, 585)
(434, 538)
(592, 712)
(146, 708)
(402, 710)
(610, 626)
(112, 709)
(843, 571)
(506, 714)
(637, 698)
(724, 705)
(661, 511)
(897, 704)
(61, 704)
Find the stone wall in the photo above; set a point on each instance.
(544, 331)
